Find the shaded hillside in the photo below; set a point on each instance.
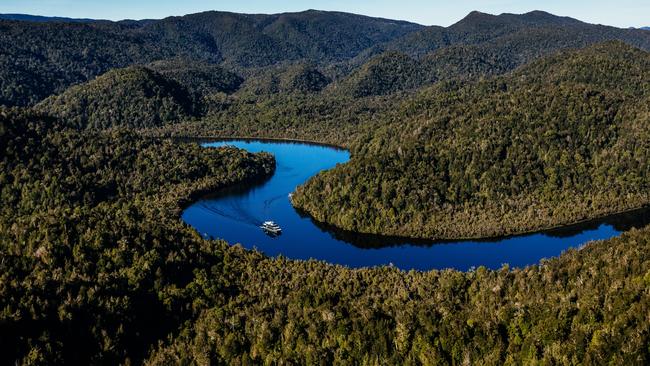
(133, 97)
(392, 71)
(477, 28)
(92, 253)
(479, 45)
(40, 59)
(385, 74)
(258, 40)
(561, 140)
(287, 79)
(325, 117)
(44, 19)
(201, 78)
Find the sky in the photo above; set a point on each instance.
(620, 13)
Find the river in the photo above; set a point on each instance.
(235, 215)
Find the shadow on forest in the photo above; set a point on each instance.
(620, 222)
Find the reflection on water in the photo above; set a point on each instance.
(619, 222)
(235, 215)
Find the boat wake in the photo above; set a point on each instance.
(268, 202)
(236, 213)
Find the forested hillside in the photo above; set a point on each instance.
(44, 19)
(295, 78)
(96, 267)
(478, 28)
(133, 97)
(248, 40)
(44, 58)
(558, 141)
(202, 78)
(478, 45)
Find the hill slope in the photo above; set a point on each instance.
(44, 58)
(135, 97)
(248, 40)
(44, 19)
(481, 45)
(40, 59)
(561, 140)
(201, 78)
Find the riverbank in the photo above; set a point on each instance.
(235, 214)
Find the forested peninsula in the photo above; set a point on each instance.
(561, 140)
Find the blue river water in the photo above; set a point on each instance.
(235, 215)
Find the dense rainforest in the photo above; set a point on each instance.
(561, 140)
(44, 58)
(96, 267)
(93, 255)
(41, 58)
(494, 125)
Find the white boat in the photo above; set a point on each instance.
(271, 227)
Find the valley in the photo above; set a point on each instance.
(480, 194)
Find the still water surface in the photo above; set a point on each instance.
(235, 215)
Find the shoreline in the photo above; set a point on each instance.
(404, 240)
(262, 139)
(399, 239)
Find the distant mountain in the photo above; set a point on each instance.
(478, 28)
(248, 40)
(44, 58)
(646, 28)
(40, 59)
(478, 45)
(44, 19)
(198, 77)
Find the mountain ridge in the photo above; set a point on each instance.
(45, 58)
(46, 19)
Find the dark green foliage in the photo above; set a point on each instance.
(298, 78)
(561, 140)
(589, 306)
(324, 117)
(303, 78)
(38, 18)
(95, 265)
(479, 45)
(40, 59)
(135, 97)
(479, 28)
(97, 268)
(392, 71)
(250, 40)
(202, 79)
(385, 74)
